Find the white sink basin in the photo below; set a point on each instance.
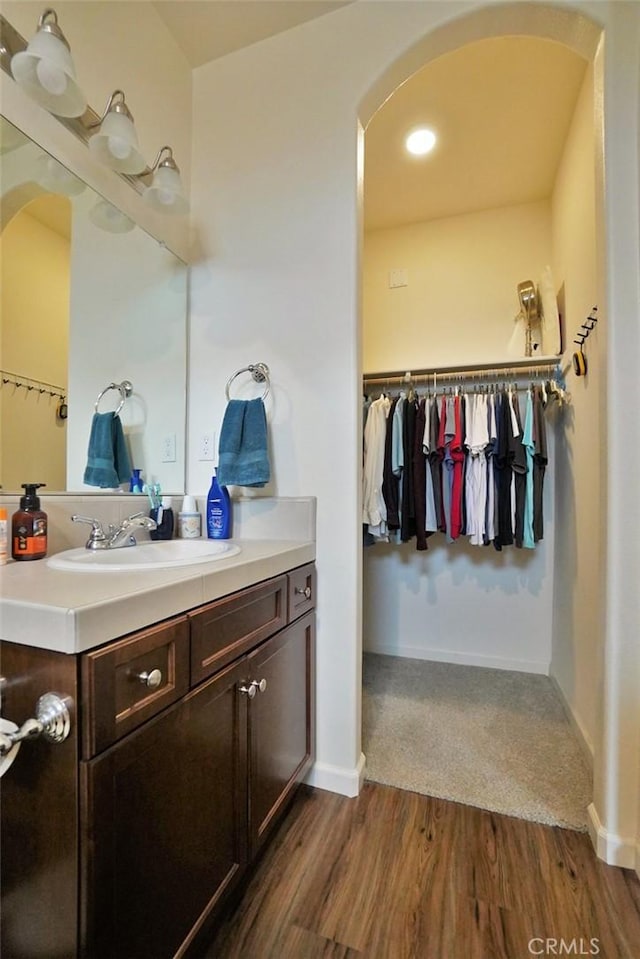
(162, 554)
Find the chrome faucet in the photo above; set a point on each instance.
(114, 537)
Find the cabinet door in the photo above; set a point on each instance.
(281, 733)
(164, 820)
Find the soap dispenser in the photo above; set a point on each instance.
(29, 526)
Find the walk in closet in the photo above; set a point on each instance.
(479, 654)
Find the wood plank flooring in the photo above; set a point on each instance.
(397, 875)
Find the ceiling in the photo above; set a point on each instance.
(501, 108)
(207, 29)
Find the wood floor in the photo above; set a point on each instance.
(393, 875)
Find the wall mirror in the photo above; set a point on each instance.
(87, 299)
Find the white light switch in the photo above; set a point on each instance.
(169, 448)
(398, 278)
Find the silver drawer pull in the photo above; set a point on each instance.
(259, 686)
(150, 678)
(306, 592)
(249, 690)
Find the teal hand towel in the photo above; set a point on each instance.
(243, 458)
(107, 458)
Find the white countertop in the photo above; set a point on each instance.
(70, 612)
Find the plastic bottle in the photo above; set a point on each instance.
(189, 519)
(29, 526)
(163, 515)
(218, 511)
(136, 483)
(3, 536)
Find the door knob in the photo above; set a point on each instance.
(249, 690)
(259, 686)
(306, 592)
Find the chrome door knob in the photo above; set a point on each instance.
(259, 685)
(306, 592)
(150, 678)
(249, 690)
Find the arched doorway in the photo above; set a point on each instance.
(584, 36)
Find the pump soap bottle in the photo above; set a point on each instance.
(29, 526)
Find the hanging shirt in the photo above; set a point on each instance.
(431, 520)
(490, 451)
(407, 501)
(447, 430)
(435, 463)
(502, 467)
(518, 463)
(390, 485)
(420, 477)
(397, 448)
(476, 440)
(373, 505)
(527, 441)
(540, 461)
(457, 455)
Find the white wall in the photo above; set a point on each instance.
(275, 187)
(452, 602)
(461, 300)
(577, 647)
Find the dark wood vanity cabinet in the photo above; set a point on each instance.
(179, 785)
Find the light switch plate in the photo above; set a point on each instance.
(398, 278)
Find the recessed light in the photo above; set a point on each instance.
(420, 141)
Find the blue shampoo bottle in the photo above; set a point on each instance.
(218, 511)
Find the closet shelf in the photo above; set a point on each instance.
(527, 366)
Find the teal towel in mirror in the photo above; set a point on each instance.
(243, 459)
(107, 457)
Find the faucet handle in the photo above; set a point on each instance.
(97, 534)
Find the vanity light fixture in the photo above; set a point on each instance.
(420, 141)
(55, 177)
(116, 142)
(108, 217)
(45, 70)
(166, 192)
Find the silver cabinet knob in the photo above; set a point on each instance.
(249, 690)
(306, 592)
(259, 685)
(150, 678)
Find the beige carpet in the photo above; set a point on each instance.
(485, 737)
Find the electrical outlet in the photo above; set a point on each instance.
(206, 446)
(398, 278)
(169, 448)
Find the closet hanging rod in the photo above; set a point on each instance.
(527, 366)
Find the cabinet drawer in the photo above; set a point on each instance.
(229, 627)
(131, 680)
(302, 590)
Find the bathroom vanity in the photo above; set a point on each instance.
(189, 734)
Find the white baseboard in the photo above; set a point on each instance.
(575, 723)
(613, 849)
(337, 779)
(463, 659)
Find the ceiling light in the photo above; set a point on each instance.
(116, 143)
(420, 141)
(45, 70)
(166, 192)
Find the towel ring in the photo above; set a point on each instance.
(125, 388)
(260, 374)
